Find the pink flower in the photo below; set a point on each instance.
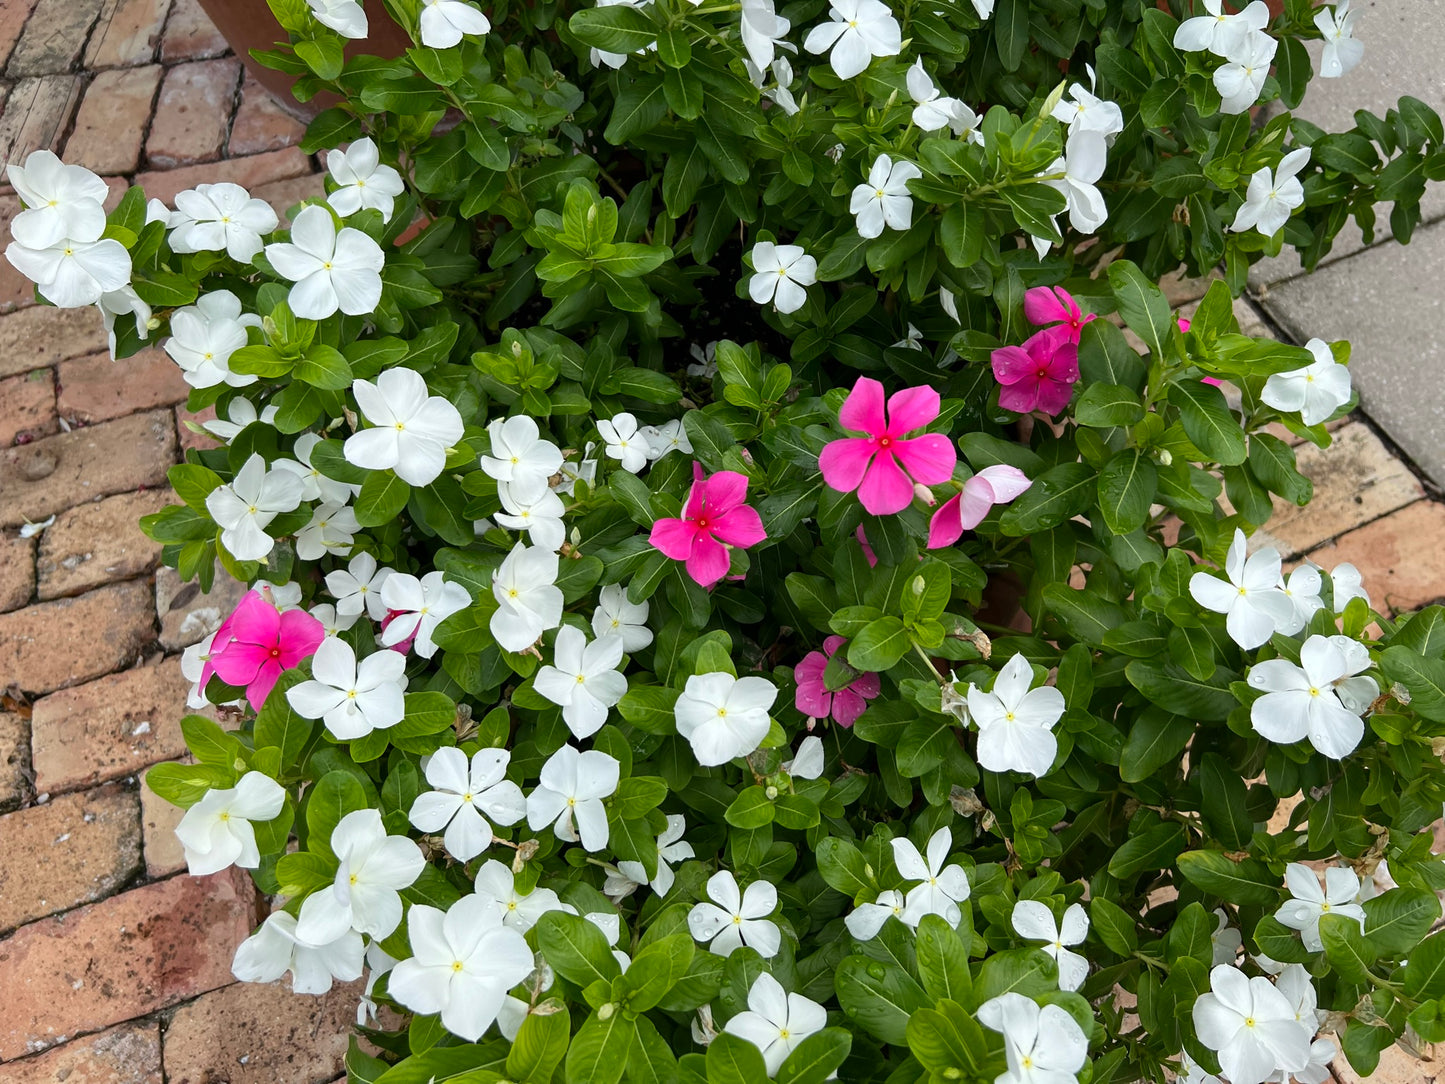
(401, 646)
(714, 519)
(814, 699)
(1040, 374)
(990, 486)
(868, 554)
(261, 642)
(1044, 305)
(883, 466)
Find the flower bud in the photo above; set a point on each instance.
(605, 1013)
(771, 792)
(1166, 458)
(922, 493)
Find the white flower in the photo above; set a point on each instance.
(529, 600)
(618, 883)
(361, 180)
(332, 623)
(254, 498)
(410, 430)
(614, 60)
(1293, 981)
(570, 789)
(378, 963)
(671, 847)
(1191, 1072)
(1301, 701)
(1302, 588)
(315, 485)
(123, 302)
(1273, 196)
(332, 529)
(942, 889)
(216, 832)
(240, 414)
(358, 587)
(467, 800)
(1015, 723)
(274, 949)
(1250, 1025)
(519, 455)
(1342, 53)
(536, 511)
(1218, 32)
(808, 763)
(617, 616)
(1240, 80)
(346, 17)
(352, 699)
(734, 919)
(762, 29)
(221, 218)
(193, 665)
(1254, 605)
(704, 363)
(1316, 391)
(444, 22)
(884, 199)
(495, 881)
(373, 869)
(463, 962)
(1346, 583)
(865, 920)
(1083, 112)
(1085, 155)
(1035, 921)
(779, 93)
(72, 274)
(782, 275)
(933, 110)
(1308, 901)
(1225, 941)
(859, 31)
(205, 335)
(775, 1021)
(61, 201)
(421, 605)
(670, 436)
(583, 470)
(1323, 1051)
(983, 7)
(1041, 1045)
(723, 717)
(584, 681)
(332, 270)
(622, 441)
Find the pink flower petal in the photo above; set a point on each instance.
(1021, 398)
(844, 462)
(1053, 396)
(725, 490)
(946, 526)
(299, 636)
(255, 621)
(1046, 305)
(810, 670)
(930, 459)
(863, 409)
(741, 527)
(885, 488)
(709, 561)
(868, 554)
(674, 537)
(912, 408)
(847, 706)
(833, 643)
(866, 685)
(1012, 364)
(262, 684)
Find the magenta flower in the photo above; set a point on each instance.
(1040, 374)
(261, 642)
(1045, 305)
(714, 519)
(883, 466)
(814, 699)
(990, 486)
(868, 554)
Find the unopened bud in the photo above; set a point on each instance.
(1166, 458)
(919, 586)
(268, 325)
(153, 323)
(771, 792)
(516, 349)
(922, 493)
(592, 221)
(605, 1013)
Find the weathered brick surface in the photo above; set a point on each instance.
(190, 35)
(164, 854)
(121, 958)
(40, 335)
(249, 172)
(17, 570)
(27, 407)
(129, 36)
(15, 289)
(36, 114)
(283, 195)
(1356, 480)
(98, 543)
(260, 124)
(129, 1054)
(95, 389)
(112, 119)
(192, 113)
(112, 727)
(1398, 555)
(53, 37)
(260, 1034)
(91, 843)
(60, 472)
(189, 615)
(189, 436)
(53, 645)
(12, 23)
(14, 759)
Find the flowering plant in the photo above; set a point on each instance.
(730, 600)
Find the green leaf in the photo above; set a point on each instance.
(279, 727)
(879, 646)
(878, 997)
(1172, 688)
(1011, 29)
(335, 795)
(1126, 490)
(1107, 405)
(383, 496)
(1424, 678)
(1346, 948)
(1156, 739)
(1142, 305)
(600, 1048)
(639, 107)
(656, 969)
(1154, 848)
(1113, 925)
(1056, 496)
(1105, 357)
(844, 868)
(613, 29)
(444, 1065)
(942, 960)
(816, 1058)
(734, 1060)
(576, 949)
(1424, 972)
(1223, 802)
(1399, 919)
(1209, 422)
(1246, 882)
(750, 809)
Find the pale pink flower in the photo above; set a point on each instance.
(993, 485)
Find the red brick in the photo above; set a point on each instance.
(189, 615)
(261, 124)
(164, 854)
(192, 113)
(188, 425)
(27, 407)
(95, 389)
(260, 1034)
(250, 172)
(1399, 556)
(53, 37)
(16, 291)
(129, 1054)
(283, 195)
(17, 570)
(12, 22)
(98, 543)
(36, 114)
(109, 728)
(54, 645)
(60, 472)
(40, 336)
(91, 844)
(112, 961)
(190, 35)
(112, 119)
(130, 36)
(14, 760)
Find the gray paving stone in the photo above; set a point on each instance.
(1388, 302)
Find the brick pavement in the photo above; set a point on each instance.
(114, 962)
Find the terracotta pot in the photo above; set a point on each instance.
(249, 24)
